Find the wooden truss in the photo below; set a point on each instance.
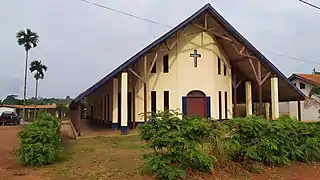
(244, 53)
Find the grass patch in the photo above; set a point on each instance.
(100, 158)
(119, 158)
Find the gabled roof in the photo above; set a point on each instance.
(219, 18)
(311, 78)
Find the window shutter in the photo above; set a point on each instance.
(184, 106)
(208, 107)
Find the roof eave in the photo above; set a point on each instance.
(214, 13)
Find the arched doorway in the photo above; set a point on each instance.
(196, 104)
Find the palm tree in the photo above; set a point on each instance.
(39, 69)
(28, 40)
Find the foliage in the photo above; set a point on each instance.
(273, 142)
(39, 68)
(62, 109)
(13, 100)
(221, 143)
(28, 39)
(39, 141)
(175, 142)
(315, 91)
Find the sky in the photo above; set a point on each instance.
(81, 43)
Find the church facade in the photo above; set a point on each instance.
(202, 67)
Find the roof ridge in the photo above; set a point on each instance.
(218, 17)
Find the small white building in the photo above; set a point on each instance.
(310, 107)
(4, 109)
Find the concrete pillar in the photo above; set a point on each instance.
(115, 117)
(275, 98)
(124, 103)
(248, 98)
(267, 109)
(29, 114)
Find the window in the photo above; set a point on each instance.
(153, 101)
(166, 63)
(226, 105)
(220, 105)
(224, 70)
(219, 66)
(154, 68)
(129, 105)
(302, 86)
(166, 100)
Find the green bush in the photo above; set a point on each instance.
(222, 143)
(176, 143)
(274, 142)
(39, 141)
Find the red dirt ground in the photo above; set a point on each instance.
(10, 169)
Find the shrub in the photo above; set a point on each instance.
(175, 143)
(221, 143)
(275, 141)
(39, 141)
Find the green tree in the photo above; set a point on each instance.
(62, 109)
(28, 40)
(315, 91)
(39, 69)
(11, 99)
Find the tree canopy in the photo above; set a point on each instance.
(27, 38)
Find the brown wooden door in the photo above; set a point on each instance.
(196, 104)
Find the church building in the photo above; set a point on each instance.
(202, 67)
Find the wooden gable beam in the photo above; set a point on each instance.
(145, 96)
(169, 48)
(165, 43)
(254, 71)
(153, 62)
(266, 77)
(224, 37)
(136, 75)
(206, 21)
(208, 30)
(241, 52)
(199, 26)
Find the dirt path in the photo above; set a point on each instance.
(98, 158)
(10, 169)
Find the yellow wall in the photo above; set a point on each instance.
(183, 77)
